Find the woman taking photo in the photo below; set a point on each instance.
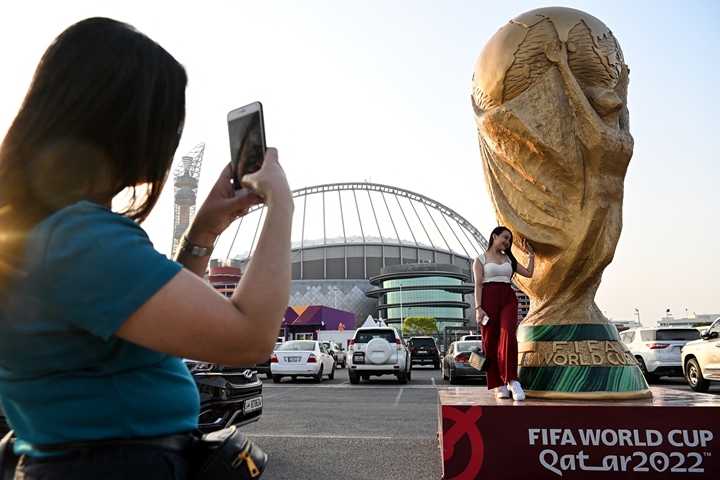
(496, 299)
(94, 321)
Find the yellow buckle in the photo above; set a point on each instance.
(244, 456)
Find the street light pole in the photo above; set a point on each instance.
(667, 316)
(335, 290)
(402, 322)
(637, 312)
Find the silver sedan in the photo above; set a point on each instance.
(455, 364)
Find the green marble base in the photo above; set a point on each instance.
(578, 361)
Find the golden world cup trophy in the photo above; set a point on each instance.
(549, 93)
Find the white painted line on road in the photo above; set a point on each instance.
(282, 393)
(347, 385)
(349, 437)
(397, 399)
(432, 380)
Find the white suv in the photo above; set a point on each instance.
(657, 349)
(701, 359)
(378, 351)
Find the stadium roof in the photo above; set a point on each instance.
(361, 213)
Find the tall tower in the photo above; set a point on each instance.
(187, 177)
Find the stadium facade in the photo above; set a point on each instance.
(374, 250)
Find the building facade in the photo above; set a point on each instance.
(422, 290)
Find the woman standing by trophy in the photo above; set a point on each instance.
(496, 300)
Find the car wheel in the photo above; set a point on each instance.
(318, 377)
(402, 377)
(436, 364)
(648, 376)
(344, 364)
(276, 378)
(695, 378)
(293, 377)
(354, 378)
(409, 373)
(332, 372)
(365, 377)
(268, 375)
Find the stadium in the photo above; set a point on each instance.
(370, 249)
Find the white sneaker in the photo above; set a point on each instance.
(517, 391)
(502, 392)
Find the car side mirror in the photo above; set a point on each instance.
(709, 336)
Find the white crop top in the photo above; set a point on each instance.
(494, 272)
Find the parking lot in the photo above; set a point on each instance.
(375, 430)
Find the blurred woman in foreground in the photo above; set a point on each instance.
(93, 320)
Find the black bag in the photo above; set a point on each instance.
(226, 455)
(223, 455)
(478, 360)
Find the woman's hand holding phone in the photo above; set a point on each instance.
(268, 182)
(224, 205)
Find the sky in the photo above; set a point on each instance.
(379, 91)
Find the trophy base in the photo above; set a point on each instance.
(671, 435)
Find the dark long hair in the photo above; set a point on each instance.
(508, 252)
(104, 112)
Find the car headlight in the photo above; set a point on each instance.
(196, 367)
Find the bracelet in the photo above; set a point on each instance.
(194, 250)
(477, 307)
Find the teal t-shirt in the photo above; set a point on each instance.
(64, 375)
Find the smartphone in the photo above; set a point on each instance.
(247, 141)
(485, 320)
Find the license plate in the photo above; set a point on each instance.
(253, 404)
(422, 353)
(292, 359)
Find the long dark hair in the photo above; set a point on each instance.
(508, 252)
(103, 113)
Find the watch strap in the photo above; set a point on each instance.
(194, 250)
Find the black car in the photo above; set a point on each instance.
(424, 350)
(264, 367)
(228, 395)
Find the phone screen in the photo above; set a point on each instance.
(247, 141)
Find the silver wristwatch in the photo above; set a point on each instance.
(194, 250)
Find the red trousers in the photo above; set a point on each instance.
(499, 336)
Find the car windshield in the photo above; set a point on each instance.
(678, 334)
(365, 336)
(298, 346)
(422, 342)
(467, 346)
